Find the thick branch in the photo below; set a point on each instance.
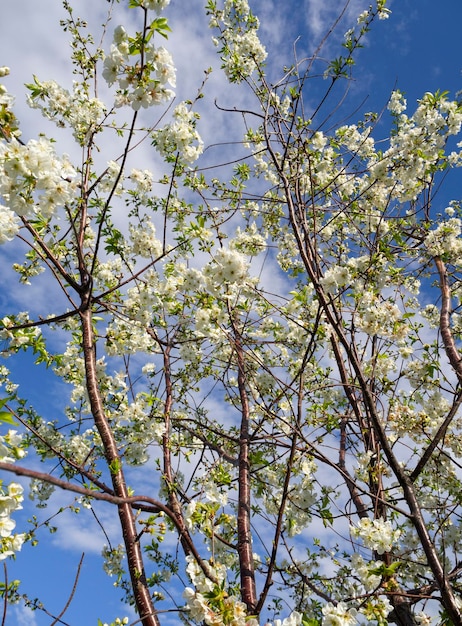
(244, 535)
(127, 519)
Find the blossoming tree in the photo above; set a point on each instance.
(265, 413)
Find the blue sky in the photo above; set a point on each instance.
(417, 50)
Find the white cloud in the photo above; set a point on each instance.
(320, 15)
(23, 615)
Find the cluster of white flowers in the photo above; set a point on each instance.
(111, 174)
(10, 447)
(10, 501)
(33, 180)
(41, 491)
(445, 240)
(135, 88)
(113, 558)
(207, 603)
(377, 534)
(228, 266)
(357, 141)
(376, 609)
(434, 406)
(380, 366)
(397, 103)
(338, 615)
(382, 318)
(382, 12)
(363, 469)
(431, 315)
(9, 224)
(419, 373)
(107, 275)
(78, 110)
(78, 447)
(180, 137)
(288, 256)
(336, 277)
(21, 337)
(301, 497)
(415, 147)
(365, 571)
(155, 5)
(242, 51)
(144, 241)
(144, 428)
(142, 180)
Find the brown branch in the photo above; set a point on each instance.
(141, 592)
(5, 597)
(73, 590)
(138, 503)
(454, 359)
(437, 437)
(244, 534)
(282, 506)
(448, 340)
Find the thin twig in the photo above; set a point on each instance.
(73, 590)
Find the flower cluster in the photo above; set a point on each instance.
(41, 492)
(144, 241)
(10, 447)
(180, 139)
(241, 50)
(113, 558)
(377, 534)
(139, 87)
(417, 145)
(155, 5)
(10, 501)
(209, 602)
(445, 239)
(228, 266)
(9, 224)
(33, 181)
(397, 103)
(382, 318)
(338, 615)
(18, 338)
(250, 241)
(11, 450)
(77, 110)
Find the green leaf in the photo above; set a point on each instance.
(160, 25)
(7, 418)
